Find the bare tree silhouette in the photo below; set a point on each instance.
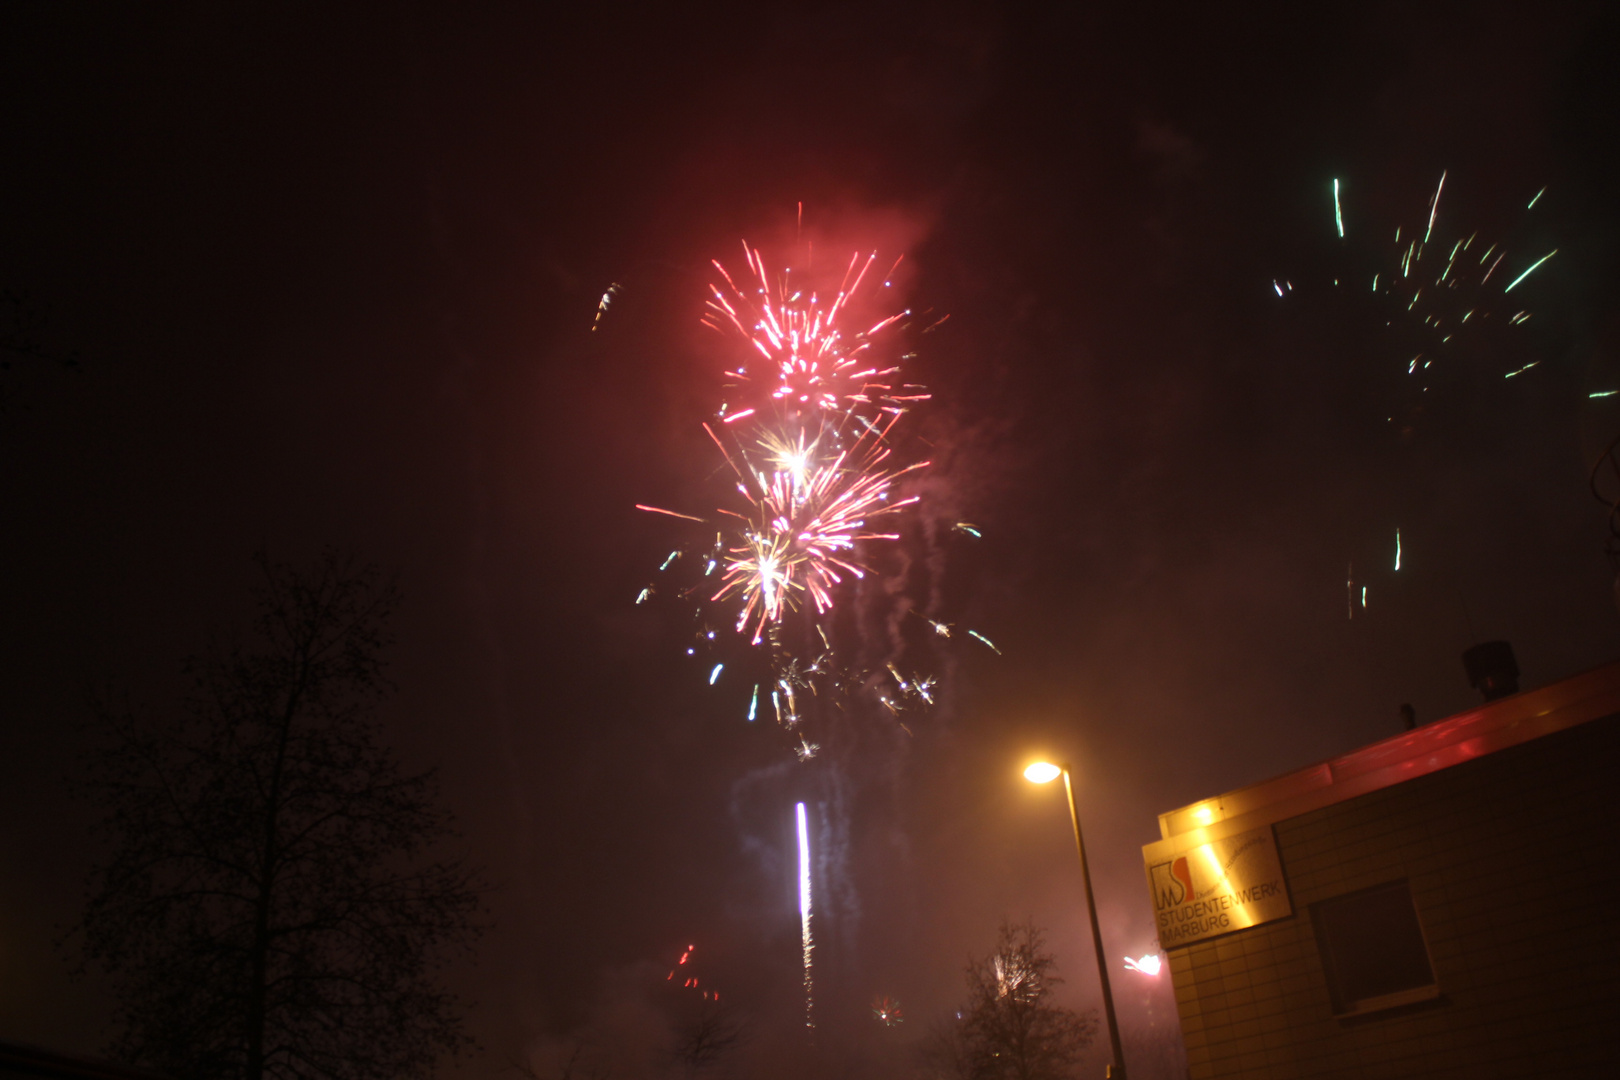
(1009, 1029)
(273, 905)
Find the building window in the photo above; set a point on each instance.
(1373, 950)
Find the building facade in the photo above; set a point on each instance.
(1442, 903)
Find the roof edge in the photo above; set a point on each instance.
(1494, 726)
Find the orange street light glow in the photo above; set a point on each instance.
(1042, 772)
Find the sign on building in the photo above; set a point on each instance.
(1215, 888)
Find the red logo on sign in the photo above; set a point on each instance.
(1183, 875)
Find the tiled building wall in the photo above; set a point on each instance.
(1514, 866)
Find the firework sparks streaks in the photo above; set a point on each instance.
(1440, 293)
(1443, 306)
(886, 1011)
(816, 462)
(809, 360)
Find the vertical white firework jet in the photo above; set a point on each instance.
(804, 915)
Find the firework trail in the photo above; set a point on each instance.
(819, 468)
(886, 1011)
(604, 304)
(807, 943)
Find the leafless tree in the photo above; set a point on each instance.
(274, 905)
(707, 1037)
(23, 326)
(581, 1063)
(1009, 1028)
(944, 1052)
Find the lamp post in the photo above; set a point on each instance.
(1043, 772)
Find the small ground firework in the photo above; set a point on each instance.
(1146, 965)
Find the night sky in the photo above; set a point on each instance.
(330, 274)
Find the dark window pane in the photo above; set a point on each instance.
(1372, 945)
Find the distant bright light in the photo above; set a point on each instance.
(1147, 965)
(1042, 772)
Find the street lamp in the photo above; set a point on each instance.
(1044, 772)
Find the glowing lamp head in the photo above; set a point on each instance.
(1042, 772)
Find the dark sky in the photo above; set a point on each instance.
(331, 273)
